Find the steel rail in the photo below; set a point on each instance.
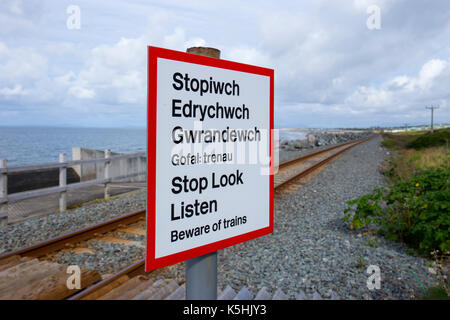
(135, 269)
(54, 244)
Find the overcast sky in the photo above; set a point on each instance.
(331, 69)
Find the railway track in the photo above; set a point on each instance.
(300, 167)
(133, 223)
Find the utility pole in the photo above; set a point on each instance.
(406, 127)
(432, 112)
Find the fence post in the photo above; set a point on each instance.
(3, 194)
(62, 183)
(107, 173)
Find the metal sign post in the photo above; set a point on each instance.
(201, 272)
(201, 277)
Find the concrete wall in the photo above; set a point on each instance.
(38, 179)
(118, 168)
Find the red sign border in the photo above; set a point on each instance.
(154, 53)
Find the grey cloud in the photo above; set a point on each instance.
(331, 70)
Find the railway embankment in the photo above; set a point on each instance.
(310, 250)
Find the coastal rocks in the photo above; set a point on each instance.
(321, 138)
(290, 147)
(294, 144)
(312, 140)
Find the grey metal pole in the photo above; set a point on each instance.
(432, 116)
(201, 277)
(201, 272)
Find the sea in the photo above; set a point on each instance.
(31, 145)
(291, 134)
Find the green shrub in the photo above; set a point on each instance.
(436, 293)
(416, 211)
(437, 138)
(388, 143)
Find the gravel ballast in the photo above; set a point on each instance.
(34, 230)
(311, 248)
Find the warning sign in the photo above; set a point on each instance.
(209, 151)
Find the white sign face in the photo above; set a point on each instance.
(209, 182)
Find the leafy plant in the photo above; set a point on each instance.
(436, 293)
(371, 242)
(437, 138)
(360, 262)
(416, 211)
(441, 291)
(388, 143)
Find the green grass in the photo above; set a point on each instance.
(389, 143)
(413, 151)
(416, 139)
(438, 138)
(412, 133)
(436, 293)
(397, 141)
(407, 162)
(371, 242)
(360, 262)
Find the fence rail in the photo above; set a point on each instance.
(63, 187)
(51, 165)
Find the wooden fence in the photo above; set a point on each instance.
(63, 187)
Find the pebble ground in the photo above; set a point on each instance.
(311, 247)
